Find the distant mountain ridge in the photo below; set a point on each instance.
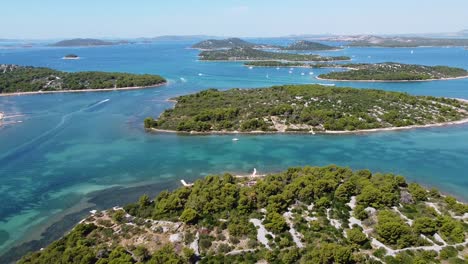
(397, 41)
(79, 42)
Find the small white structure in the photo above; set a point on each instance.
(186, 184)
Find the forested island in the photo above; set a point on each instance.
(317, 215)
(250, 54)
(387, 71)
(21, 79)
(304, 45)
(80, 42)
(305, 108)
(392, 71)
(230, 43)
(213, 44)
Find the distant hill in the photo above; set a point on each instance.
(79, 42)
(250, 54)
(223, 44)
(309, 45)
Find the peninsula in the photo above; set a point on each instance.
(305, 108)
(250, 54)
(16, 79)
(302, 215)
(391, 71)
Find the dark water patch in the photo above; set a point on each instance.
(52, 233)
(102, 200)
(4, 236)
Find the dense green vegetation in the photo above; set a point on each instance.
(308, 45)
(395, 72)
(246, 54)
(82, 42)
(219, 209)
(304, 108)
(15, 79)
(229, 43)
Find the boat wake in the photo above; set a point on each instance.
(95, 106)
(47, 135)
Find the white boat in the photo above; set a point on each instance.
(250, 67)
(277, 68)
(290, 71)
(302, 73)
(327, 84)
(412, 51)
(235, 139)
(200, 74)
(311, 73)
(254, 173)
(186, 184)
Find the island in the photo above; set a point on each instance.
(71, 57)
(214, 44)
(316, 215)
(391, 71)
(82, 42)
(250, 54)
(305, 109)
(304, 45)
(385, 72)
(15, 80)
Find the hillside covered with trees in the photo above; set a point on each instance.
(212, 44)
(303, 45)
(17, 79)
(82, 42)
(248, 54)
(302, 215)
(304, 108)
(391, 71)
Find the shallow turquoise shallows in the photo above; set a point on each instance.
(76, 152)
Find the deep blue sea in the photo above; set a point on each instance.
(74, 152)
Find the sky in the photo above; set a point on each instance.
(50, 19)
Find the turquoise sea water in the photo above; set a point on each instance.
(75, 152)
